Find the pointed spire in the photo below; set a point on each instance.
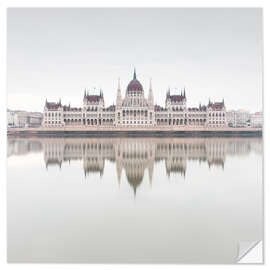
(134, 190)
(119, 172)
(85, 92)
(150, 95)
(184, 92)
(150, 171)
(119, 84)
(134, 74)
(168, 93)
(119, 96)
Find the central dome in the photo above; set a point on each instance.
(134, 85)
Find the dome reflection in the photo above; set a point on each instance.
(135, 156)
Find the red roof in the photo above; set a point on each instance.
(53, 105)
(93, 98)
(135, 85)
(217, 106)
(176, 98)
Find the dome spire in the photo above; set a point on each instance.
(134, 74)
(118, 83)
(134, 84)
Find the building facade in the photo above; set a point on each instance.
(256, 119)
(238, 118)
(24, 119)
(134, 110)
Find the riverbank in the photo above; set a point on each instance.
(135, 132)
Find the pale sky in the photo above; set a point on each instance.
(58, 52)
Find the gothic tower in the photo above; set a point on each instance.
(118, 109)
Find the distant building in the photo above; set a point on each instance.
(238, 118)
(23, 119)
(35, 119)
(134, 110)
(20, 119)
(10, 118)
(256, 120)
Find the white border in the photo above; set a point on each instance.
(132, 3)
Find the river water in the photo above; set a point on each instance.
(133, 200)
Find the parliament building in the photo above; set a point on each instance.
(134, 110)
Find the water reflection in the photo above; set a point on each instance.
(211, 203)
(135, 156)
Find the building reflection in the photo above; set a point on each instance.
(135, 156)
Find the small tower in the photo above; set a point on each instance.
(118, 107)
(119, 96)
(168, 98)
(150, 96)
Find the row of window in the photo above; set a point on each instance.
(136, 122)
(216, 125)
(217, 122)
(183, 115)
(56, 114)
(52, 122)
(135, 113)
(135, 93)
(217, 114)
